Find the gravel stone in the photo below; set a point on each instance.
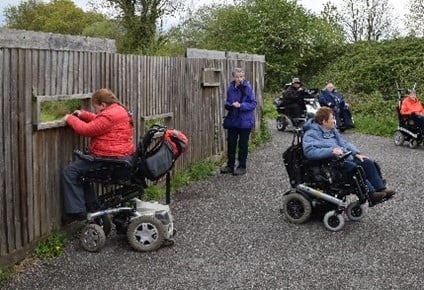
(231, 235)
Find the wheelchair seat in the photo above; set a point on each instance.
(107, 170)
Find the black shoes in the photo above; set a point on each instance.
(239, 171)
(377, 196)
(226, 169)
(72, 217)
(389, 192)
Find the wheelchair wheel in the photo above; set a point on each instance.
(105, 223)
(146, 233)
(413, 144)
(333, 221)
(296, 208)
(355, 211)
(93, 238)
(281, 123)
(398, 138)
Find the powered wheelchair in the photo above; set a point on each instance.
(408, 130)
(119, 184)
(311, 105)
(320, 188)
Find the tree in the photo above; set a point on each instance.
(58, 16)
(294, 42)
(415, 18)
(140, 17)
(367, 20)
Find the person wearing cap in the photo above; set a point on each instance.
(413, 108)
(331, 98)
(293, 99)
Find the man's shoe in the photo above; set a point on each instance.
(389, 192)
(239, 171)
(226, 169)
(377, 196)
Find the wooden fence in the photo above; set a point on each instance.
(188, 92)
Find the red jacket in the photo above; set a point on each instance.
(110, 130)
(409, 106)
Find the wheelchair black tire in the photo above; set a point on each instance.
(413, 143)
(93, 238)
(296, 208)
(281, 123)
(333, 221)
(148, 228)
(398, 138)
(356, 211)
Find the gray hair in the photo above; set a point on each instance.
(329, 87)
(237, 70)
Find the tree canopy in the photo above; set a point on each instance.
(294, 42)
(58, 16)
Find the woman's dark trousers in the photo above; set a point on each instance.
(240, 136)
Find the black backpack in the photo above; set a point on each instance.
(158, 150)
(293, 160)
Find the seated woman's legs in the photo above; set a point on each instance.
(75, 193)
(420, 121)
(372, 173)
(375, 195)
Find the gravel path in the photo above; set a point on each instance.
(231, 235)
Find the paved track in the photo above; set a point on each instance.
(231, 235)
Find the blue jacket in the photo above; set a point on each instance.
(318, 143)
(244, 116)
(335, 98)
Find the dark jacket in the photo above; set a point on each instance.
(244, 117)
(335, 98)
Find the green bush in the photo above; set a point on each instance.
(5, 274)
(56, 110)
(374, 114)
(52, 247)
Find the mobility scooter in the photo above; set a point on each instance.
(311, 106)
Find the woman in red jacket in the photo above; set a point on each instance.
(111, 133)
(413, 108)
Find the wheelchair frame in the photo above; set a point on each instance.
(407, 130)
(147, 225)
(326, 193)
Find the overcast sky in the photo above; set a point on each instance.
(313, 5)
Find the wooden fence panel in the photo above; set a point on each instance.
(151, 87)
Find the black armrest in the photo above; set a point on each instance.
(83, 156)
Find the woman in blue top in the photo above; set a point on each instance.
(321, 141)
(241, 104)
(331, 98)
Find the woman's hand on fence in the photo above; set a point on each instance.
(76, 113)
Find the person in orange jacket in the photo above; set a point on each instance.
(110, 130)
(412, 107)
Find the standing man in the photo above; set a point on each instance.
(240, 104)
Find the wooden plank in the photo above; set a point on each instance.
(13, 139)
(4, 85)
(24, 78)
(14, 38)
